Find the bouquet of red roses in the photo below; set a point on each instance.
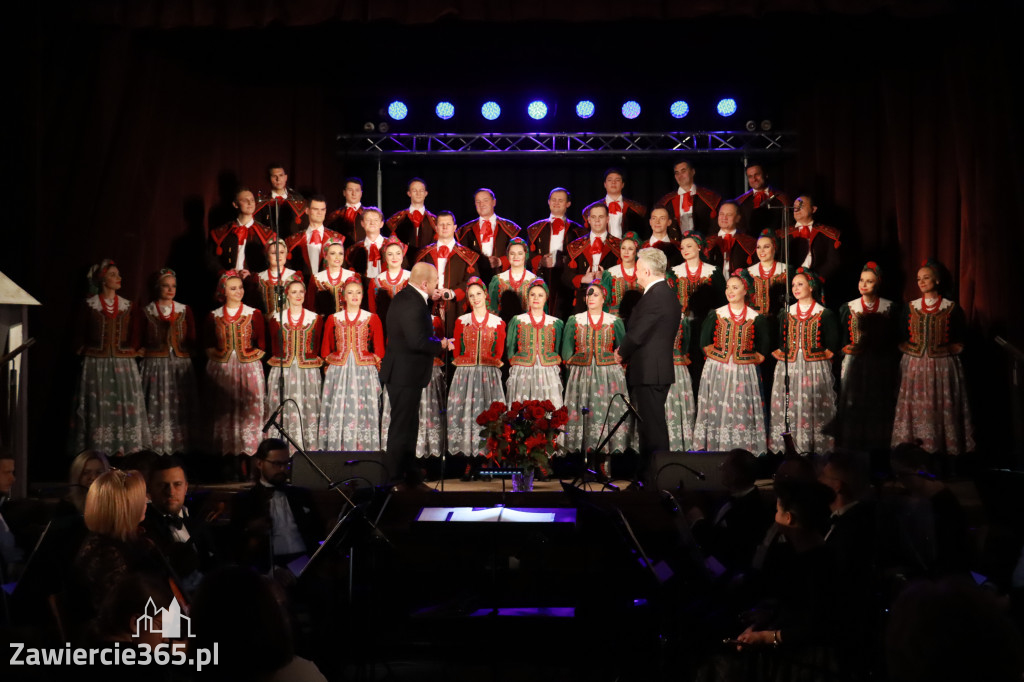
(524, 435)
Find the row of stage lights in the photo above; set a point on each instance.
(538, 109)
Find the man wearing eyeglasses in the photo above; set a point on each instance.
(274, 519)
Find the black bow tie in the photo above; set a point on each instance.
(174, 520)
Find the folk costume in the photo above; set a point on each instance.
(769, 288)
(532, 345)
(551, 237)
(296, 348)
(353, 345)
(623, 290)
(507, 294)
(168, 378)
(624, 215)
(585, 254)
(266, 282)
(730, 251)
(699, 290)
(325, 292)
(932, 403)
(455, 265)
(730, 409)
(588, 345)
(110, 407)
(693, 210)
(479, 344)
(348, 222)
(489, 237)
(809, 338)
(307, 250)
(234, 348)
(234, 246)
(814, 246)
(681, 405)
(366, 257)
(415, 227)
(430, 435)
(763, 209)
(285, 213)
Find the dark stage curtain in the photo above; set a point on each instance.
(136, 137)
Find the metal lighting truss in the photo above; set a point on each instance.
(567, 144)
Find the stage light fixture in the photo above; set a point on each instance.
(766, 125)
(679, 109)
(584, 108)
(490, 110)
(726, 107)
(397, 110)
(444, 110)
(537, 110)
(369, 127)
(383, 127)
(751, 126)
(631, 109)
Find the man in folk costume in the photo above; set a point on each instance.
(282, 209)
(455, 265)
(730, 248)
(590, 255)
(241, 244)
(488, 234)
(415, 226)
(812, 246)
(367, 255)
(661, 223)
(761, 207)
(548, 240)
(693, 207)
(346, 219)
(305, 249)
(624, 215)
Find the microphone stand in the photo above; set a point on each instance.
(444, 406)
(785, 313)
(603, 480)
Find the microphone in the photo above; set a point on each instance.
(630, 407)
(270, 422)
(584, 410)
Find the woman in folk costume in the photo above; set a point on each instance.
(325, 293)
(276, 274)
(353, 346)
(479, 344)
(870, 375)
(809, 336)
(619, 281)
(430, 436)
(389, 282)
(735, 338)
(296, 355)
(769, 295)
(588, 349)
(533, 341)
(932, 404)
(507, 290)
(235, 338)
(110, 408)
(168, 378)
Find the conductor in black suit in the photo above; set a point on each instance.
(407, 366)
(647, 349)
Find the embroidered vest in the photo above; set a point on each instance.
(533, 346)
(929, 333)
(352, 337)
(733, 340)
(163, 336)
(235, 336)
(805, 335)
(110, 337)
(593, 344)
(480, 342)
(620, 286)
(298, 344)
(761, 299)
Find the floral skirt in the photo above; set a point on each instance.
(350, 407)
(300, 419)
(172, 401)
(812, 405)
(235, 398)
(593, 387)
(110, 409)
(534, 383)
(679, 411)
(730, 410)
(932, 405)
(428, 438)
(473, 390)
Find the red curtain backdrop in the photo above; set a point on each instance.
(139, 118)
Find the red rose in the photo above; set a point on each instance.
(543, 424)
(497, 407)
(548, 406)
(516, 406)
(537, 412)
(483, 418)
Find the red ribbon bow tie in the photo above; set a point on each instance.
(804, 232)
(760, 197)
(727, 243)
(596, 246)
(350, 214)
(280, 200)
(486, 232)
(416, 217)
(687, 203)
(443, 251)
(242, 233)
(615, 207)
(373, 253)
(557, 225)
(316, 238)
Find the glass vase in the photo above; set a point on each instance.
(522, 481)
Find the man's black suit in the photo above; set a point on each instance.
(184, 557)
(405, 372)
(648, 350)
(251, 524)
(735, 532)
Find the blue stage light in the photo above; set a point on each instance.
(490, 110)
(537, 110)
(726, 107)
(679, 109)
(397, 110)
(584, 108)
(631, 109)
(444, 110)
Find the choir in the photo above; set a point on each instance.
(536, 314)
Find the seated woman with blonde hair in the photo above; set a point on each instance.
(85, 468)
